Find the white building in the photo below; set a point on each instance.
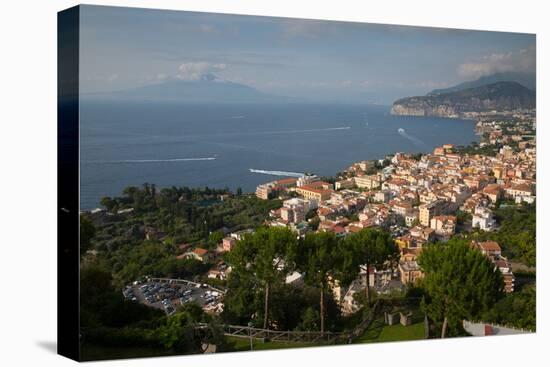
(306, 179)
(483, 219)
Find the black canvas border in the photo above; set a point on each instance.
(68, 249)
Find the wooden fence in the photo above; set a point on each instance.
(317, 337)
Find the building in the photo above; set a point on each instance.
(287, 182)
(409, 270)
(402, 208)
(365, 165)
(483, 219)
(382, 196)
(427, 211)
(307, 205)
(198, 253)
(424, 234)
(306, 179)
(239, 235)
(498, 172)
(314, 192)
(521, 190)
(228, 243)
(368, 182)
(295, 214)
(448, 147)
(411, 218)
(264, 191)
(439, 151)
(493, 192)
(492, 250)
(443, 225)
(344, 184)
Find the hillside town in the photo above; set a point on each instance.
(419, 199)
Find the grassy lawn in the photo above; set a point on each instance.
(91, 352)
(243, 344)
(379, 332)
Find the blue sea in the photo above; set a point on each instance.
(124, 144)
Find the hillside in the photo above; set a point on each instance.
(207, 89)
(498, 96)
(526, 79)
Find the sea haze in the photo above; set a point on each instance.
(124, 144)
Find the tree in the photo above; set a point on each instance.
(179, 331)
(242, 298)
(461, 283)
(517, 309)
(319, 258)
(371, 248)
(87, 232)
(214, 238)
(108, 203)
(267, 254)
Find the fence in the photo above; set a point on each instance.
(281, 336)
(327, 337)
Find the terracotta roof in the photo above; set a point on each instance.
(489, 246)
(522, 187)
(200, 251)
(287, 181)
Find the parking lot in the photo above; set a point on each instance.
(169, 294)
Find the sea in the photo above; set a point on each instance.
(127, 144)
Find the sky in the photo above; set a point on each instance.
(124, 48)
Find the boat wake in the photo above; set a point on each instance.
(415, 141)
(164, 160)
(299, 131)
(277, 173)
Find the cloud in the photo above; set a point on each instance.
(195, 70)
(306, 28)
(523, 60)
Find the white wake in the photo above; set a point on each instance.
(277, 173)
(414, 140)
(164, 160)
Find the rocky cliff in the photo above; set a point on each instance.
(497, 96)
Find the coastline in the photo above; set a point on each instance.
(352, 143)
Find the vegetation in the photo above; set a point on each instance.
(322, 258)
(142, 232)
(108, 320)
(145, 241)
(319, 258)
(516, 309)
(370, 248)
(379, 332)
(266, 256)
(516, 233)
(489, 150)
(460, 283)
(236, 344)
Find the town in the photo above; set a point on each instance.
(418, 198)
(204, 253)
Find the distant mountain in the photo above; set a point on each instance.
(528, 80)
(496, 96)
(207, 89)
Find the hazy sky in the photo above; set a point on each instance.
(124, 48)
